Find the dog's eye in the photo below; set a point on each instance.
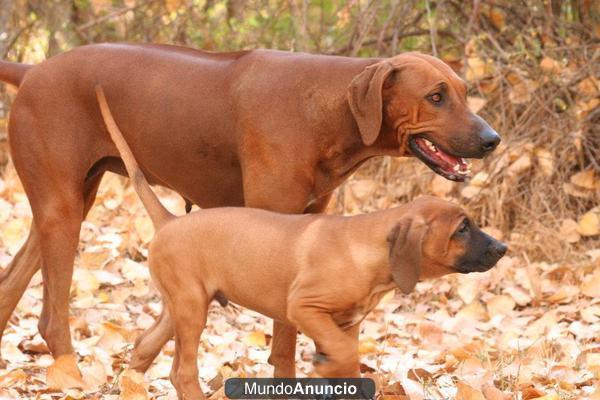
(464, 227)
(436, 98)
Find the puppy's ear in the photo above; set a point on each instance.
(405, 241)
(365, 100)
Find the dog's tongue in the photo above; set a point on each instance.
(449, 158)
(448, 162)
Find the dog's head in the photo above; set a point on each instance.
(418, 103)
(436, 238)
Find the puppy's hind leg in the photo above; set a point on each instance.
(151, 341)
(186, 302)
(189, 310)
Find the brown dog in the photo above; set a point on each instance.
(264, 129)
(322, 274)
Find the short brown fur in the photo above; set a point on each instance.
(316, 273)
(265, 129)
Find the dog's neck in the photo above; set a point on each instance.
(366, 237)
(344, 152)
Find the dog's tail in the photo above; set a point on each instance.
(158, 213)
(13, 73)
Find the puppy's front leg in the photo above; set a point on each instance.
(339, 348)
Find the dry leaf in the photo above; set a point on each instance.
(545, 160)
(491, 393)
(500, 305)
(479, 69)
(256, 338)
(585, 179)
(473, 311)
(13, 378)
(466, 392)
(497, 18)
(431, 333)
(64, 374)
(367, 345)
(550, 65)
(144, 228)
(522, 164)
(475, 103)
(589, 224)
(591, 285)
(132, 387)
(552, 396)
(569, 231)
(441, 186)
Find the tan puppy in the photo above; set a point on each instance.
(321, 274)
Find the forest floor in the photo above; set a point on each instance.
(525, 330)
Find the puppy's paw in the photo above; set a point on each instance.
(320, 358)
(336, 366)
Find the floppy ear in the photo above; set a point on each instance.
(405, 241)
(364, 98)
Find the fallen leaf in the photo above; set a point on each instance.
(64, 374)
(585, 179)
(256, 338)
(552, 396)
(367, 345)
(475, 103)
(490, 392)
(441, 186)
(15, 377)
(466, 392)
(500, 305)
(589, 224)
(591, 285)
(144, 228)
(132, 387)
(545, 160)
(569, 230)
(430, 332)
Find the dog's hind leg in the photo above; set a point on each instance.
(53, 158)
(15, 278)
(90, 189)
(188, 306)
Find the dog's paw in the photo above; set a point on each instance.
(320, 358)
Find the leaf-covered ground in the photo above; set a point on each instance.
(525, 330)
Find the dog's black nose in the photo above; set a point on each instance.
(489, 140)
(497, 250)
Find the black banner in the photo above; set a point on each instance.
(300, 388)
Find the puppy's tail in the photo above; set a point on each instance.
(13, 73)
(158, 213)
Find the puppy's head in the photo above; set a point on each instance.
(436, 238)
(416, 102)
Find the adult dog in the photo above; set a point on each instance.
(261, 128)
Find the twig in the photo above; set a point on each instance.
(111, 15)
(403, 35)
(432, 30)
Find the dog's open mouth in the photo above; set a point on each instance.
(450, 167)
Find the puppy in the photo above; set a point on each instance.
(322, 274)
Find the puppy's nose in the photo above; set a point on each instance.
(499, 249)
(489, 139)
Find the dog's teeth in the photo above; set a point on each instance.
(430, 146)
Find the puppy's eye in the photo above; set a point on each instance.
(436, 98)
(464, 227)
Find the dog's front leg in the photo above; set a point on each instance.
(338, 355)
(276, 192)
